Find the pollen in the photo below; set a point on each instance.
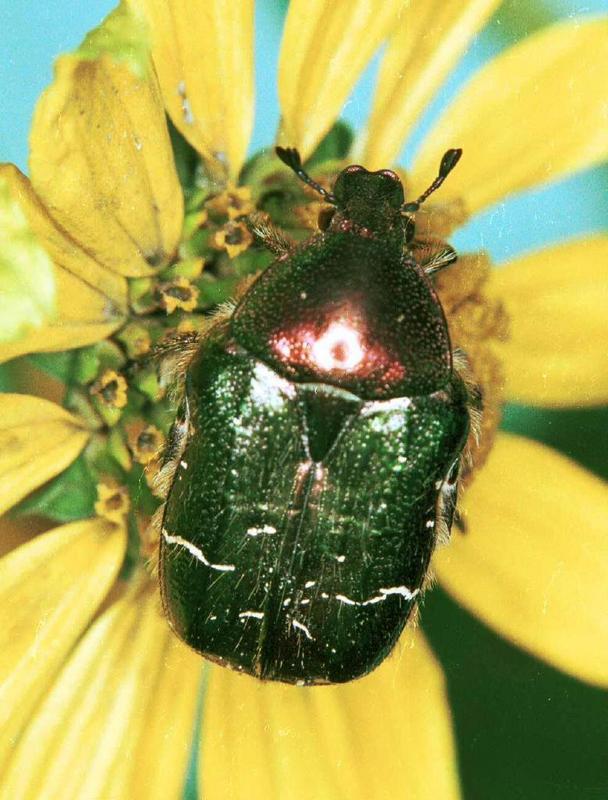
(113, 501)
(477, 323)
(111, 389)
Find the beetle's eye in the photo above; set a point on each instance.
(325, 217)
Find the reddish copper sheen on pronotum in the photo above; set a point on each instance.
(339, 343)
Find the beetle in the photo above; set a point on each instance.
(316, 453)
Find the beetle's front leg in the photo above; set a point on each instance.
(432, 254)
(178, 438)
(269, 235)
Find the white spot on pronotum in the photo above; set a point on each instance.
(196, 552)
(251, 615)
(339, 347)
(301, 627)
(384, 593)
(260, 531)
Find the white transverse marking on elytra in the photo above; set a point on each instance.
(384, 593)
(260, 531)
(302, 627)
(196, 552)
(251, 614)
(309, 584)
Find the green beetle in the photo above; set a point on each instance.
(318, 447)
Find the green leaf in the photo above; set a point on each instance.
(58, 365)
(334, 146)
(186, 159)
(124, 36)
(70, 496)
(27, 279)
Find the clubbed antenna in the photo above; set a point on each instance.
(291, 157)
(448, 162)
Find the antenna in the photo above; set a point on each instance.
(448, 162)
(291, 157)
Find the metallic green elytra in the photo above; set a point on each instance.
(319, 440)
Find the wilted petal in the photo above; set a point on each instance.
(101, 161)
(203, 54)
(430, 38)
(535, 113)
(325, 48)
(533, 563)
(49, 590)
(91, 301)
(38, 440)
(557, 301)
(27, 281)
(386, 735)
(124, 702)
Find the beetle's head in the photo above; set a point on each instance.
(368, 200)
(371, 203)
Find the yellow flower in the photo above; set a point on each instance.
(98, 699)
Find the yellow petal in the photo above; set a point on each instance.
(386, 735)
(38, 440)
(91, 300)
(325, 48)
(535, 113)
(49, 590)
(203, 54)
(431, 37)
(100, 728)
(557, 301)
(101, 161)
(534, 562)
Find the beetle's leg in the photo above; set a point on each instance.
(269, 235)
(432, 254)
(176, 444)
(171, 356)
(446, 504)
